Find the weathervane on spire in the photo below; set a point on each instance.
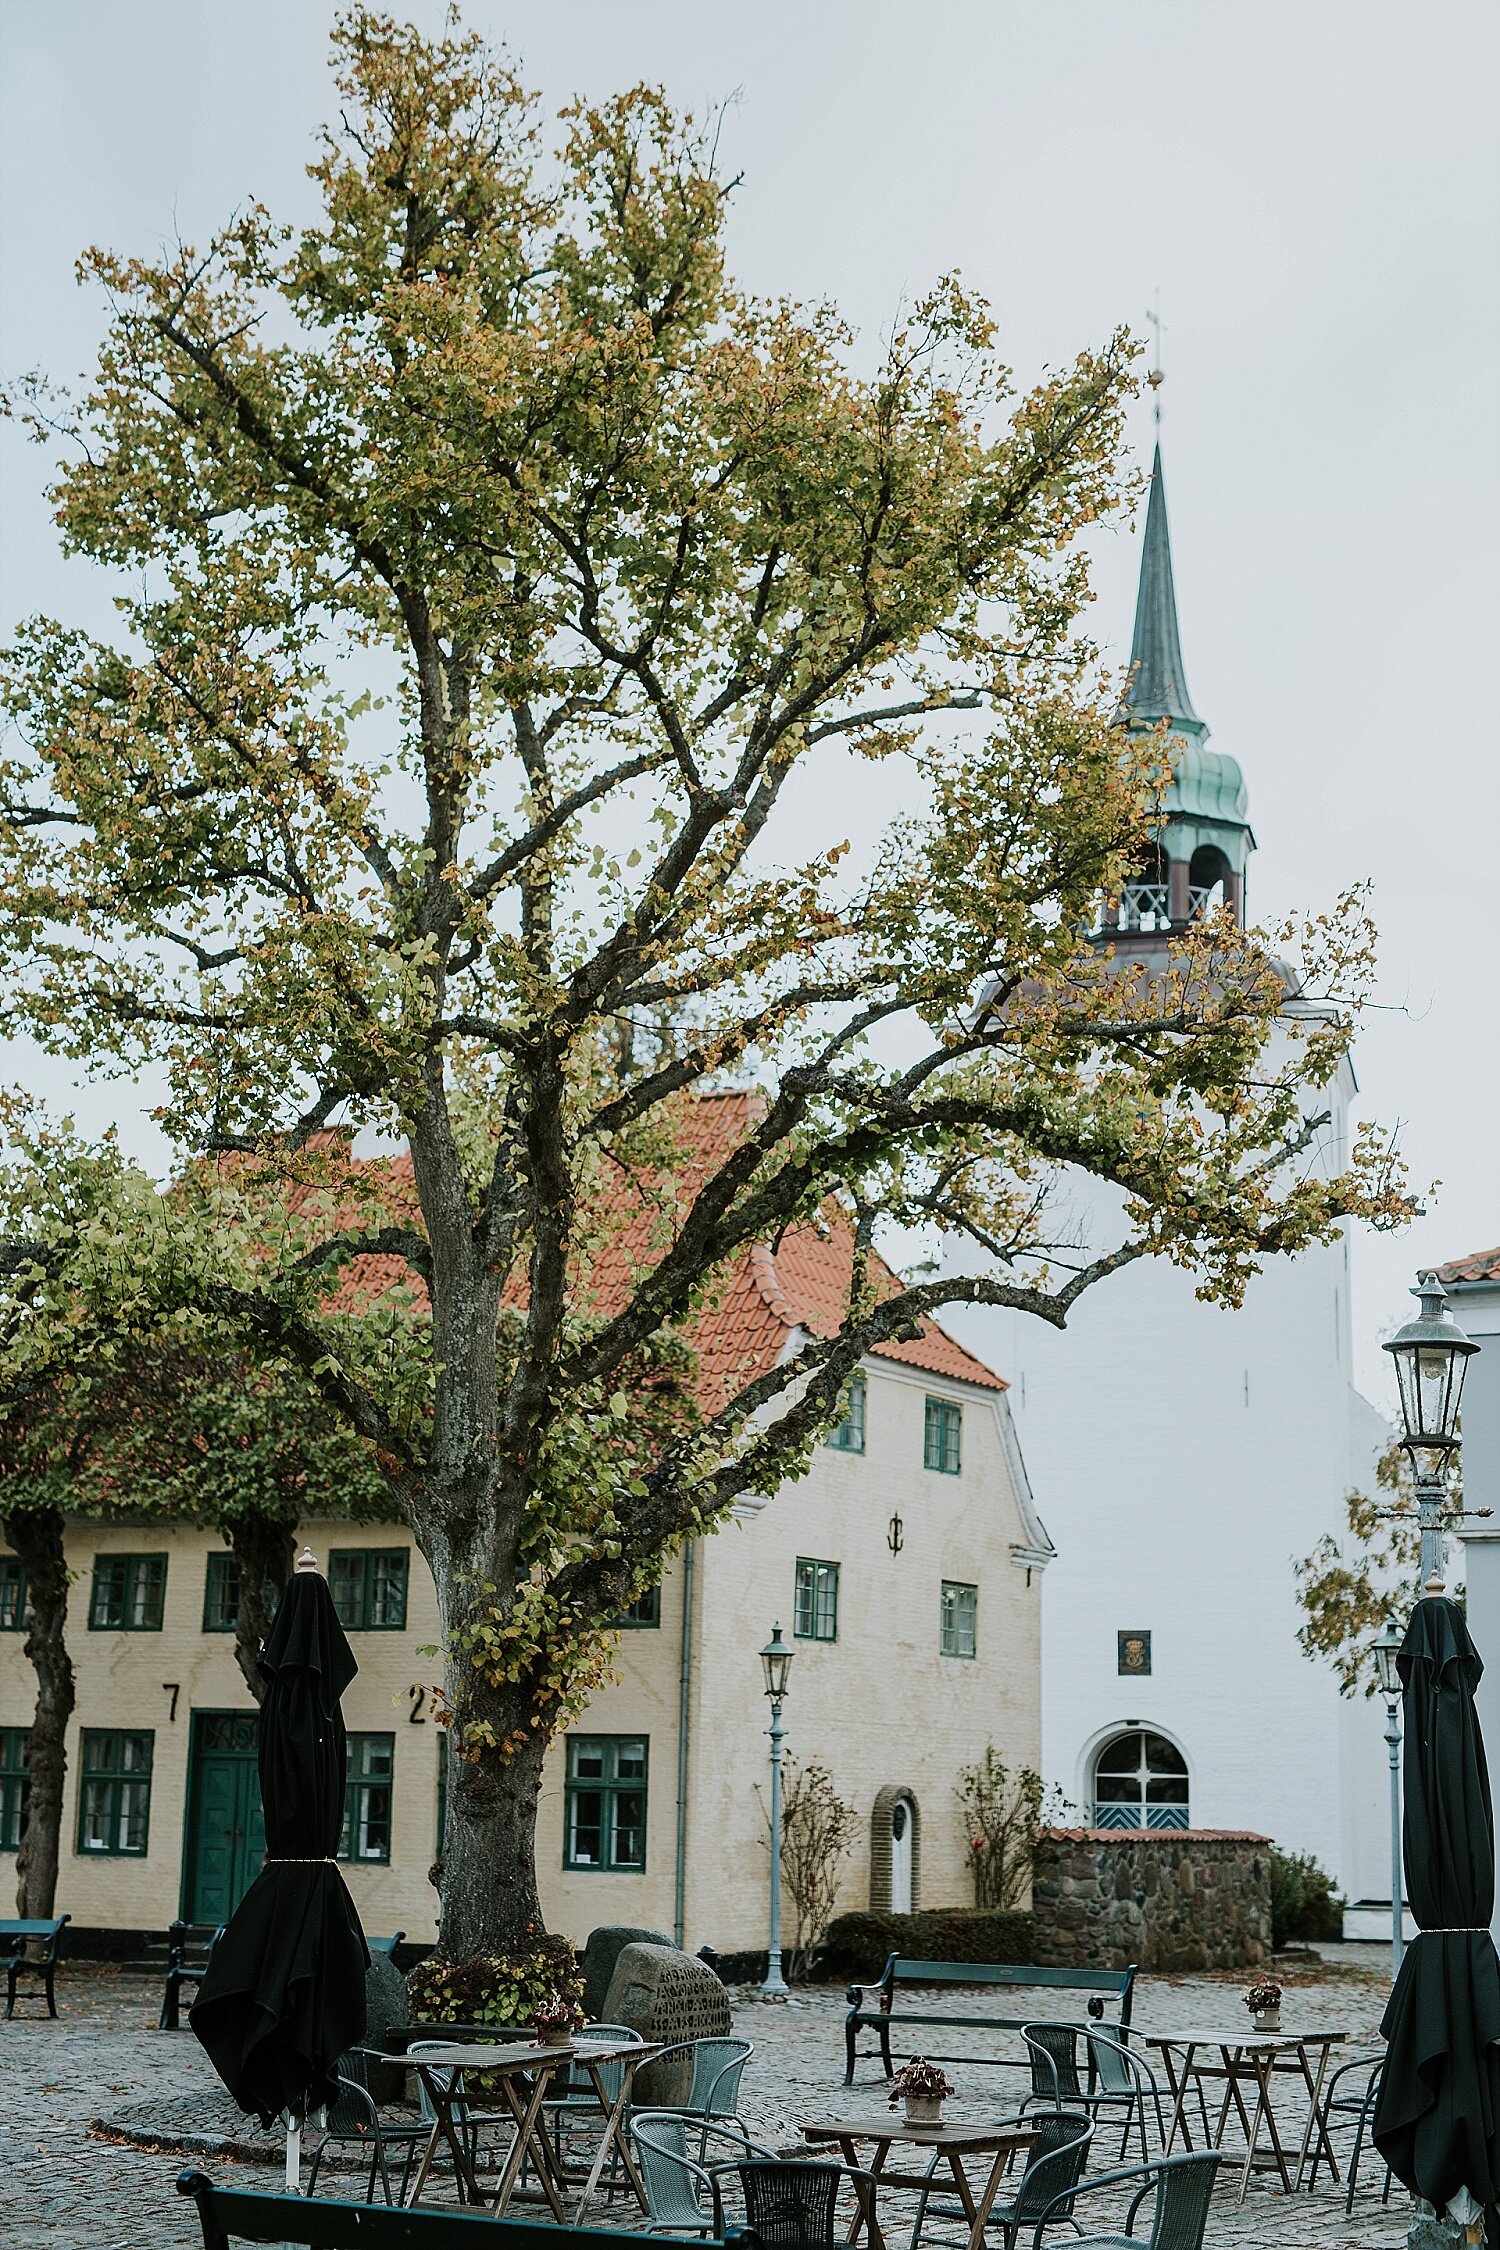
(1156, 378)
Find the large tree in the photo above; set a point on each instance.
(510, 607)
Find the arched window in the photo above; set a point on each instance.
(1208, 881)
(1140, 1781)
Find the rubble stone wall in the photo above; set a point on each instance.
(1187, 1898)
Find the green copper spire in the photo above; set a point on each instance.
(1197, 858)
(1158, 684)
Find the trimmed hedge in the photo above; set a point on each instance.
(858, 1945)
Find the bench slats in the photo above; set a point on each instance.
(231, 2215)
(956, 2023)
(51, 1930)
(1012, 1976)
(1007, 1972)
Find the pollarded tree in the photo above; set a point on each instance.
(512, 603)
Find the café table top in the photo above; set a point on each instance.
(954, 2133)
(520, 2055)
(1224, 2035)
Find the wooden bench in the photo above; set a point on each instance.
(1104, 1984)
(14, 1939)
(230, 2215)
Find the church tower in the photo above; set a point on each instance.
(1183, 1453)
(1196, 863)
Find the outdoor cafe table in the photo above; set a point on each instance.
(522, 2074)
(954, 2141)
(1255, 2059)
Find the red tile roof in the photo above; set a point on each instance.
(764, 1294)
(1480, 1265)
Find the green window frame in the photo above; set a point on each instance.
(604, 1804)
(15, 1784)
(644, 1613)
(369, 1787)
(815, 1605)
(12, 1593)
(942, 1437)
(849, 1437)
(221, 1594)
(369, 1586)
(958, 1633)
(114, 1792)
(128, 1594)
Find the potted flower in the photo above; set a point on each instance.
(923, 2088)
(556, 2020)
(1264, 2002)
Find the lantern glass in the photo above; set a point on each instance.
(776, 1663)
(1385, 1651)
(1431, 1354)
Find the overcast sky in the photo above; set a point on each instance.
(1313, 188)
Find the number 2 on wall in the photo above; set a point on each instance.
(417, 1715)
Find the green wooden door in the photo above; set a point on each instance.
(226, 1837)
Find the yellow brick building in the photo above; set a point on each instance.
(905, 1569)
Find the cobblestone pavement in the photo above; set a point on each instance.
(798, 2072)
(64, 2189)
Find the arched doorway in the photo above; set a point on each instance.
(895, 1850)
(1140, 1781)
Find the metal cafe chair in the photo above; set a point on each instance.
(718, 2066)
(468, 2121)
(792, 2204)
(677, 2184)
(1357, 2101)
(1119, 2079)
(572, 2115)
(1054, 2166)
(355, 2122)
(1183, 2187)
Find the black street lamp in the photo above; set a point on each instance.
(1432, 1354)
(776, 1663)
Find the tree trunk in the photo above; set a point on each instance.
(489, 1887)
(263, 1551)
(37, 1537)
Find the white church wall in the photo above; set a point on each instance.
(1184, 1457)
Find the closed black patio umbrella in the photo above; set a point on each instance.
(284, 1994)
(1437, 2120)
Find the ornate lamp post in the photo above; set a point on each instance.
(776, 1663)
(1432, 1354)
(1385, 1652)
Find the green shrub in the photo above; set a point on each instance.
(858, 1945)
(504, 1990)
(1305, 1905)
